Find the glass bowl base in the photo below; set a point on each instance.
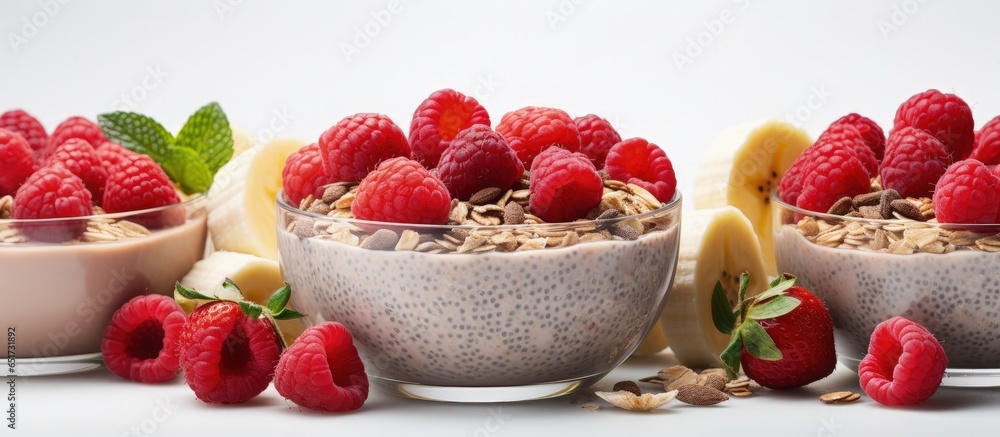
(953, 377)
(57, 365)
(484, 394)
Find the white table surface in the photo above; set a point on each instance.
(279, 68)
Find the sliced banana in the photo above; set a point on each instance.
(241, 211)
(716, 245)
(652, 343)
(241, 142)
(741, 167)
(256, 277)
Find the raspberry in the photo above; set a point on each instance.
(321, 370)
(400, 190)
(23, 123)
(637, 161)
(833, 171)
(946, 116)
(987, 148)
(596, 138)
(112, 155)
(565, 186)
(904, 365)
(530, 130)
(16, 160)
(791, 182)
(140, 342)
(138, 183)
(303, 174)
(438, 120)
(53, 192)
(966, 193)
(80, 158)
(914, 161)
(478, 158)
(357, 144)
(77, 127)
(851, 137)
(227, 357)
(870, 131)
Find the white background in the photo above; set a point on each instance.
(279, 68)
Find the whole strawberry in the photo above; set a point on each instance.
(782, 337)
(229, 348)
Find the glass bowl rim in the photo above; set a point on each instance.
(984, 227)
(669, 208)
(200, 198)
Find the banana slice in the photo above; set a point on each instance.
(652, 343)
(716, 245)
(241, 142)
(741, 167)
(241, 215)
(256, 277)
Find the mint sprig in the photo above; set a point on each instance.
(275, 309)
(741, 322)
(202, 146)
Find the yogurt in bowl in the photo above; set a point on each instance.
(484, 313)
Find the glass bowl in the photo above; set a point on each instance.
(483, 325)
(59, 296)
(945, 277)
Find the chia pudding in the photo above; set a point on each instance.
(491, 318)
(60, 296)
(951, 289)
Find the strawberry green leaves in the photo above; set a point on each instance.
(741, 322)
(275, 309)
(202, 146)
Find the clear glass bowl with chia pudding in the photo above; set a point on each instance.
(943, 276)
(60, 288)
(484, 313)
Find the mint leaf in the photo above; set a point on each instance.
(187, 169)
(190, 293)
(722, 313)
(137, 133)
(279, 299)
(207, 132)
(251, 309)
(731, 356)
(778, 306)
(758, 343)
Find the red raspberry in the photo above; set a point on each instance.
(112, 155)
(904, 365)
(851, 137)
(400, 190)
(833, 171)
(77, 127)
(321, 370)
(138, 183)
(438, 119)
(914, 161)
(140, 342)
(946, 116)
(478, 158)
(870, 131)
(597, 136)
(791, 182)
(227, 357)
(357, 144)
(79, 157)
(987, 147)
(53, 192)
(16, 160)
(530, 130)
(303, 175)
(637, 161)
(565, 186)
(23, 123)
(966, 193)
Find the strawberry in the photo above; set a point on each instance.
(783, 337)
